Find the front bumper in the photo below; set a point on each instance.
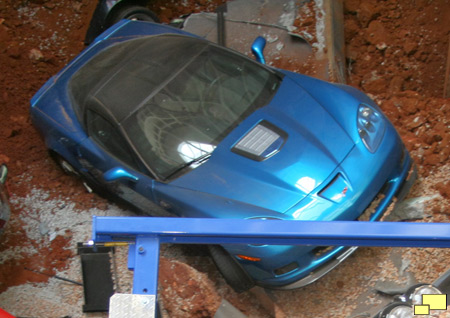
(392, 195)
(376, 188)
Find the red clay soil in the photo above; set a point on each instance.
(396, 51)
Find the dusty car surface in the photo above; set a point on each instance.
(5, 211)
(158, 116)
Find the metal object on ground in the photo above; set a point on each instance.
(227, 310)
(132, 306)
(97, 277)
(221, 24)
(334, 38)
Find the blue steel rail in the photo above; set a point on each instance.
(146, 234)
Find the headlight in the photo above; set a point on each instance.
(371, 126)
(397, 310)
(401, 312)
(416, 295)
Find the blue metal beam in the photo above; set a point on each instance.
(274, 232)
(145, 234)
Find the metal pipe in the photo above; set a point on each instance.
(221, 24)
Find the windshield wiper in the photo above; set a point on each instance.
(198, 161)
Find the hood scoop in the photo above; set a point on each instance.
(261, 143)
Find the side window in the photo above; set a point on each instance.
(105, 134)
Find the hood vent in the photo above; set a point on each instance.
(262, 142)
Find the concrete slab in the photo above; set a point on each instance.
(248, 19)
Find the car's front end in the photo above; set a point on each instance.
(373, 176)
(290, 267)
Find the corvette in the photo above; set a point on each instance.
(159, 117)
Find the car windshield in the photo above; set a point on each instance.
(176, 97)
(186, 118)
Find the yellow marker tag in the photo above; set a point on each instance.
(421, 309)
(436, 302)
(108, 244)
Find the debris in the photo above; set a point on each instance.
(36, 55)
(392, 288)
(43, 228)
(410, 209)
(55, 276)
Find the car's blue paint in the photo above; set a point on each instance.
(322, 145)
(309, 142)
(118, 173)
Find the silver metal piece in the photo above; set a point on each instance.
(132, 306)
(321, 271)
(257, 140)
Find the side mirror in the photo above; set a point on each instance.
(3, 173)
(258, 48)
(119, 173)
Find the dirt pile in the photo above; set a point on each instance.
(394, 46)
(187, 291)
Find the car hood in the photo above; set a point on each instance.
(312, 147)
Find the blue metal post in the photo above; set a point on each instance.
(146, 260)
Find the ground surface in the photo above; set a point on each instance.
(396, 52)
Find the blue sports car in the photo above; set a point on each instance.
(162, 118)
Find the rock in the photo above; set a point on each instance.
(367, 12)
(410, 105)
(49, 6)
(43, 228)
(14, 50)
(444, 188)
(4, 159)
(352, 6)
(392, 288)
(396, 84)
(410, 47)
(381, 46)
(415, 123)
(35, 55)
(352, 28)
(410, 209)
(376, 33)
(374, 84)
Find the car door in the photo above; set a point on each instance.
(110, 163)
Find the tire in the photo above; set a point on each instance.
(230, 269)
(132, 12)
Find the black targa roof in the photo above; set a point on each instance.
(126, 74)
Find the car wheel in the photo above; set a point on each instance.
(133, 13)
(231, 270)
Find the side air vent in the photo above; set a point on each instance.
(262, 142)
